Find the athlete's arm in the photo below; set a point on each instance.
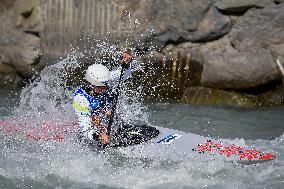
(114, 75)
(125, 60)
(102, 136)
(81, 107)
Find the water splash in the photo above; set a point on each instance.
(69, 165)
(46, 104)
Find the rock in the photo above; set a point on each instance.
(5, 6)
(273, 98)
(279, 1)
(251, 30)
(20, 51)
(23, 15)
(209, 96)
(167, 21)
(239, 70)
(19, 37)
(213, 26)
(223, 67)
(26, 15)
(222, 45)
(277, 50)
(8, 77)
(245, 58)
(240, 5)
(197, 54)
(188, 65)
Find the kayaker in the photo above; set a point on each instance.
(92, 101)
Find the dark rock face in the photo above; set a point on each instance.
(5, 6)
(260, 28)
(239, 70)
(19, 47)
(177, 21)
(213, 26)
(241, 5)
(247, 57)
(258, 38)
(21, 53)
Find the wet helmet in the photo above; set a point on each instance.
(97, 75)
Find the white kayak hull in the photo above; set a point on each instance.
(171, 143)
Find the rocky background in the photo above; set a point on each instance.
(205, 52)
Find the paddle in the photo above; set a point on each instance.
(115, 99)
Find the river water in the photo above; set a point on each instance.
(70, 165)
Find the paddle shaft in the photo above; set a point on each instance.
(115, 100)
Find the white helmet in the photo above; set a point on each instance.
(97, 75)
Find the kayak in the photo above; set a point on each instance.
(151, 141)
(166, 142)
(45, 132)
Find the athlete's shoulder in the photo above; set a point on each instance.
(80, 96)
(79, 91)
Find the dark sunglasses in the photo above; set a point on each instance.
(100, 87)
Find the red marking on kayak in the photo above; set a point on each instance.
(45, 132)
(57, 138)
(50, 132)
(8, 127)
(268, 157)
(227, 151)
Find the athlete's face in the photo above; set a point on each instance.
(100, 89)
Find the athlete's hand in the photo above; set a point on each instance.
(104, 138)
(108, 114)
(96, 120)
(125, 58)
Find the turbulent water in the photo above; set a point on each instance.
(70, 164)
